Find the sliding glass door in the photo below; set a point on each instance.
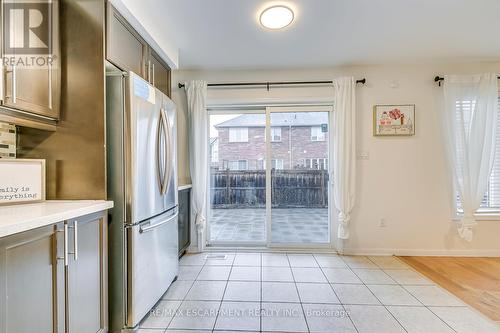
(237, 178)
(269, 178)
(299, 177)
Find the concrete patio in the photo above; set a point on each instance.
(289, 225)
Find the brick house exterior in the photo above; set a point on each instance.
(303, 144)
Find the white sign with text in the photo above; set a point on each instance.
(21, 180)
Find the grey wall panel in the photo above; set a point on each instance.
(75, 153)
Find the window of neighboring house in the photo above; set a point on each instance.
(238, 165)
(275, 134)
(491, 198)
(275, 164)
(316, 163)
(317, 134)
(238, 134)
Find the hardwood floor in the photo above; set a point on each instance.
(476, 281)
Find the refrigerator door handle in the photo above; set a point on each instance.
(158, 151)
(154, 226)
(168, 160)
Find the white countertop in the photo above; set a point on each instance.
(24, 217)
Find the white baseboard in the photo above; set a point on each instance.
(424, 252)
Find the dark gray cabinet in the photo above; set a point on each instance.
(160, 73)
(124, 47)
(86, 275)
(32, 281)
(184, 219)
(54, 279)
(127, 50)
(32, 83)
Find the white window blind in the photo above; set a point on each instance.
(238, 134)
(491, 198)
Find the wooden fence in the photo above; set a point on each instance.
(289, 188)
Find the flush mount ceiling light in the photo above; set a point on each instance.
(276, 17)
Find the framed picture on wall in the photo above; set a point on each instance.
(394, 120)
(25, 183)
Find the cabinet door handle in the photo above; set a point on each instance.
(75, 234)
(75, 240)
(65, 254)
(153, 71)
(50, 83)
(14, 84)
(149, 71)
(2, 81)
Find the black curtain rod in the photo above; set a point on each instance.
(269, 84)
(438, 79)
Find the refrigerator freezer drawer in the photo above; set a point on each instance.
(153, 263)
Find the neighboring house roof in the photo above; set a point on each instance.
(278, 119)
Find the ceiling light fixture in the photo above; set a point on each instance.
(276, 17)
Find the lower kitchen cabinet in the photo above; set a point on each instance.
(54, 279)
(86, 308)
(184, 220)
(32, 281)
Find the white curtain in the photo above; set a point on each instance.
(343, 141)
(469, 120)
(196, 92)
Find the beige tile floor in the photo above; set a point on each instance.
(287, 292)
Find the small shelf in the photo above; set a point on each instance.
(184, 187)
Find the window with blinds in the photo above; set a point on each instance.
(491, 198)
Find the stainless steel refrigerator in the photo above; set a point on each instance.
(142, 182)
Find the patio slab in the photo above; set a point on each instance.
(289, 225)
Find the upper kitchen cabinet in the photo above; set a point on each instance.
(31, 57)
(124, 47)
(128, 51)
(160, 73)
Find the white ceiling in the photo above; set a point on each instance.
(214, 34)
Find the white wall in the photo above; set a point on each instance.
(405, 179)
